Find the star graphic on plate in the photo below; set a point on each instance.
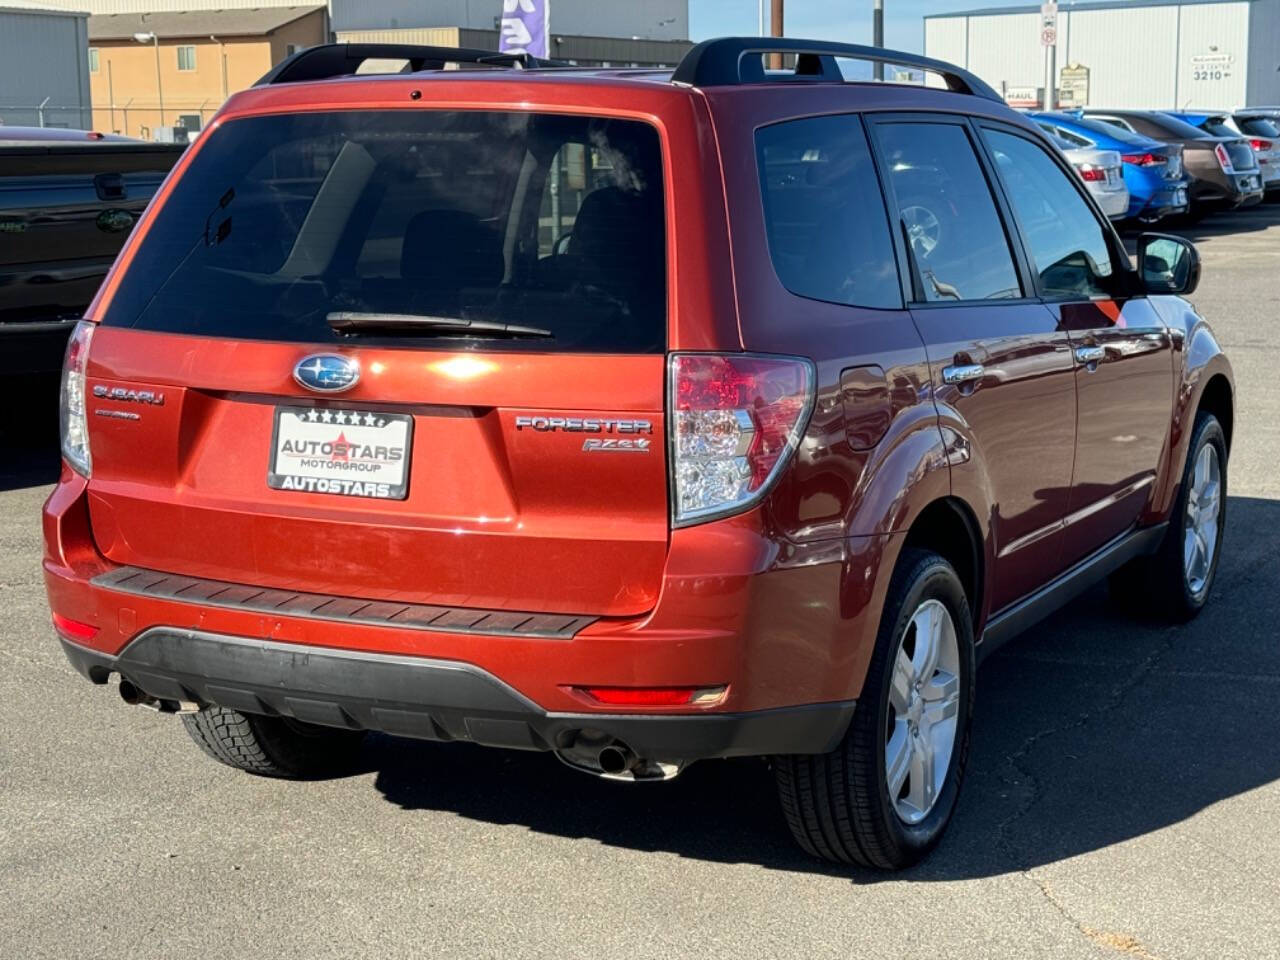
(341, 417)
(312, 416)
(326, 416)
(369, 419)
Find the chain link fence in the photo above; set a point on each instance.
(173, 121)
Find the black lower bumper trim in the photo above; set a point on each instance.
(432, 699)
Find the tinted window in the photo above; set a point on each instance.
(1163, 125)
(1218, 127)
(945, 209)
(1260, 127)
(283, 221)
(1110, 131)
(1067, 245)
(824, 214)
(1064, 138)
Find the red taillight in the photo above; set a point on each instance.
(1261, 145)
(75, 423)
(73, 629)
(734, 420)
(655, 696)
(1224, 159)
(1091, 173)
(1144, 159)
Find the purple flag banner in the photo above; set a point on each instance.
(524, 27)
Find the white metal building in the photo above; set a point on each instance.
(1154, 54)
(648, 20)
(44, 65)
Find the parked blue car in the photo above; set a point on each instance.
(1152, 170)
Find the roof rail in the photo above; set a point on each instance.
(730, 61)
(344, 59)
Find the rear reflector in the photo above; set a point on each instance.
(655, 696)
(735, 418)
(73, 629)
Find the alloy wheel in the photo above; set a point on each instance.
(1200, 519)
(923, 711)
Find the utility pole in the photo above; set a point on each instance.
(775, 30)
(760, 31)
(877, 35)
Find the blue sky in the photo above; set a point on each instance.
(824, 19)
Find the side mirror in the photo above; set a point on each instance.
(1168, 264)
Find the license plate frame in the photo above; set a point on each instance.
(376, 473)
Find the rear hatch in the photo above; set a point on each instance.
(1241, 154)
(413, 355)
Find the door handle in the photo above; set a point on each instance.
(1087, 355)
(963, 373)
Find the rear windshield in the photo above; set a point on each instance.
(1260, 127)
(1103, 129)
(1179, 128)
(542, 231)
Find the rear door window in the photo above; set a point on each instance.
(283, 222)
(824, 213)
(946, 213)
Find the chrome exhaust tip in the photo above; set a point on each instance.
(616, 759)
(135, 696)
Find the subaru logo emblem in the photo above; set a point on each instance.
(327, 372)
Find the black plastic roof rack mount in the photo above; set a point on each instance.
(732, 61)
(343, 60)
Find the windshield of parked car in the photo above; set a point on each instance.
(490, 218)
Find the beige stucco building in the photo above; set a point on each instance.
(187, 63)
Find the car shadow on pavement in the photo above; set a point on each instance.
(1092, 729)
(1253, 219)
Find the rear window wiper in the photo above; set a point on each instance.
(349, 322)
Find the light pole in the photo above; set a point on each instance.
(151, 38)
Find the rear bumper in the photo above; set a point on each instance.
(1168, 199)
(431, 699)
(785, 632)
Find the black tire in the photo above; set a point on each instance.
(1156, 587)
(273, 746)
(837, 804)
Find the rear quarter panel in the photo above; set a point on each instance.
(1198, 358)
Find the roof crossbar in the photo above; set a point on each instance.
(344, 59)
(731, 61)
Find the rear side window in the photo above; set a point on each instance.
(283, 223)
(824, 213)
(946, 212)
(1064, 238)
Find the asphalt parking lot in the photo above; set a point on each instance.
(1122, 797)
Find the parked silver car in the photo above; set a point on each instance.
(1103, 174)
